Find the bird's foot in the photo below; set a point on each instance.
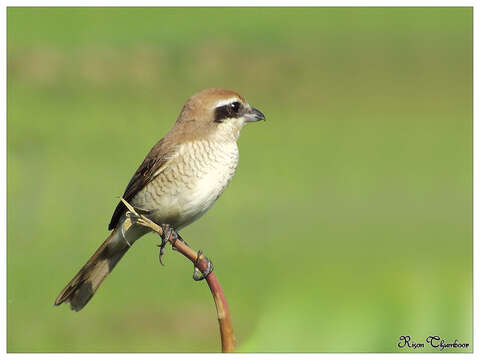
(199, 275)
(168, 231)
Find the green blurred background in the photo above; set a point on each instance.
(348, 223)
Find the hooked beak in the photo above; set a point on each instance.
(254, 115)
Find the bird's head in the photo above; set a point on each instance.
(216, 113)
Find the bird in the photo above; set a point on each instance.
(179, 180)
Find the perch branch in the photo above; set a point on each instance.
(202, 263)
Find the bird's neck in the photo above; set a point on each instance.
(228, 131)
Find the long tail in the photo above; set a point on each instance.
(82, 287)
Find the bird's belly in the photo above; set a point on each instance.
(184, 192)
(193, 203)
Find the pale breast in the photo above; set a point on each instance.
(190, 184)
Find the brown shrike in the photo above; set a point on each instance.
(179, 180)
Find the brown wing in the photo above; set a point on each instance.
(155, 159)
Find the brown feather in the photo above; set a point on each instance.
(196, 121)
(82, 287)
(155, 159)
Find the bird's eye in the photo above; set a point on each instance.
(228, 111)
(235, 106)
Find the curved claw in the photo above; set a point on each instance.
(161, 253)
(178, 238)
(199, 275)
(168, 231)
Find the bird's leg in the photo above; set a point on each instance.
(168, 231)
(199, 275)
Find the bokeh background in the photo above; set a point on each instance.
(347, 225)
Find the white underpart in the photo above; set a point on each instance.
(229, 129)
(211, 184)
(191, 182)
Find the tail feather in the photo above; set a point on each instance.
(82, 287)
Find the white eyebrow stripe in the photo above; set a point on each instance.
(227, 101)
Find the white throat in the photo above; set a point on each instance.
(229, 130)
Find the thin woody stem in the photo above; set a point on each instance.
(201, 262)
